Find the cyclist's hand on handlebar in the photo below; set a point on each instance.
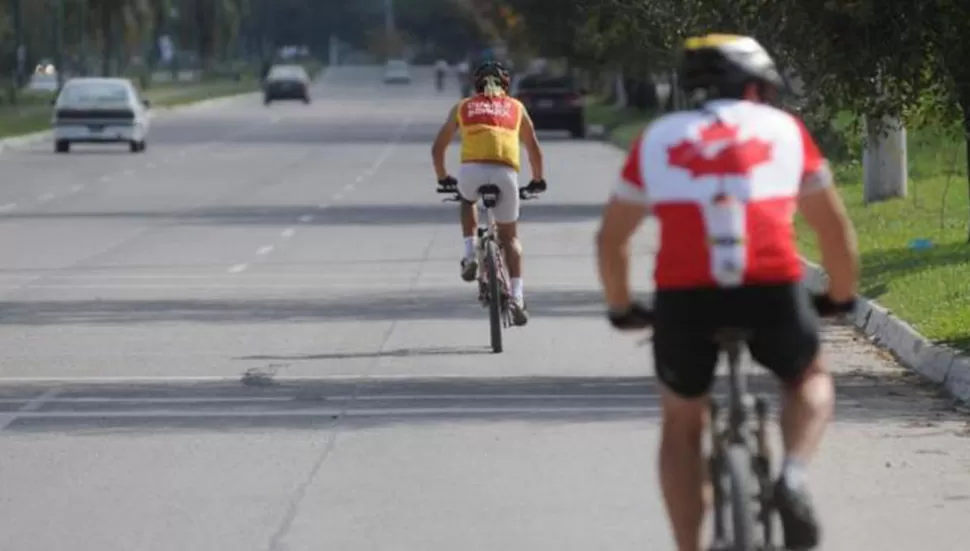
(536, 186)
(447, 184)
(634, 316)
(827, 307)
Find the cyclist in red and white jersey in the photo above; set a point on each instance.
(724, 180)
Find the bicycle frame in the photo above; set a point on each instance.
(492, 263)
(738, 437)
(737, 433)
(489, 234)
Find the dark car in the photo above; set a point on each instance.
(553, 102)
(286, 82)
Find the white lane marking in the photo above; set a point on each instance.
(276, 119)
(105, 179)
(306, 218)
(338, 196)
(288, 233)
(128, 172)
(45, 197)
(77, 188)
(8, 207)
(238, 268)
(359, 179)
(348, 187)
(31, 406)
(265, 249)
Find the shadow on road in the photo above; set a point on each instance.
(397, 353)
(434, 212)
(423, 304)
(362, 403)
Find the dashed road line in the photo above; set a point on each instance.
(265, 249)
(307, 218)
(8, 207)
(288, 233)
(45, 197)
(338, 196)
(77, 188)
(238, 268)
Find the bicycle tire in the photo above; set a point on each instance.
(494, 297)
(737, 461)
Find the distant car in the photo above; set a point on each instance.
(42, 82)
(553, 102)
(100, 110)
(397, 72)
(286, 82)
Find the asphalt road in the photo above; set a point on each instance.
(253, 337)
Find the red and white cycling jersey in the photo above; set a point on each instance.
(724, 183)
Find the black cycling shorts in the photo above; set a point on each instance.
(783, 327)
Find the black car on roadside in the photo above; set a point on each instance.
(286, 82)
(553, 102)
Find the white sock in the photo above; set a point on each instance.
(470, 247)
(517, 288)
(793, 472)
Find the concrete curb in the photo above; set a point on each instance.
(936, 363)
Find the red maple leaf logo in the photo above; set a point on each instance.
(734, 157)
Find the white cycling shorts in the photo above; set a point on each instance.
(472, 176)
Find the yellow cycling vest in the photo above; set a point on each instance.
(489, 128)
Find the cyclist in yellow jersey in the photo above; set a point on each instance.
(491, 124)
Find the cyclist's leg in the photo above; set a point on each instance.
(470, 178)
(790, 349)
(685, 357)
(506, 217)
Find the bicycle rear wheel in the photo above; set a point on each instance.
(494, 296)
(737, 461)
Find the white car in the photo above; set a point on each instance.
(100, 110)
(397, 72)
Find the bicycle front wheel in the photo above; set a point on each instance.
(738, 466)
(494, 297)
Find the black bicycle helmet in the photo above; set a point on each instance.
(491, 73)
(720, 65)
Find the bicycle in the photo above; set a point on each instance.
(740, 452)
(494, 289)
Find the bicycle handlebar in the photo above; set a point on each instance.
(641, 317)
(524, 194)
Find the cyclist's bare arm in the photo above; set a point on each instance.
(627, 207)
(441, 141)
(527, 135)
(824, 211)
(621, 218)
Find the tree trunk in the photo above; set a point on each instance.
(884, 162)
